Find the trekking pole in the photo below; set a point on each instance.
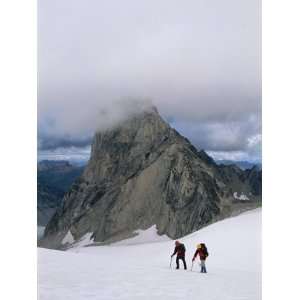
(192, 265)
(171, 262)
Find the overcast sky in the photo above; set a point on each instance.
(198, 61)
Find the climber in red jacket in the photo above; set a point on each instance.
(202, 252)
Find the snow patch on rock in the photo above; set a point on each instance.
(242, 196)
(68, 239)
(85, 240)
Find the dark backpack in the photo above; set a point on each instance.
(183, 248)
(205, 250)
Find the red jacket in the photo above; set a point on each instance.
(202, 253)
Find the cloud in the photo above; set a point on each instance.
(75, 125)
(73, 154)
(223, 135)
(199, 62)
(53, 142)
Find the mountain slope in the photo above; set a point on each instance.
(142, 271)
(143, 173)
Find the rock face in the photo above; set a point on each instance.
(141, 173)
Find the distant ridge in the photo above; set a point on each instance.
(54, 179)
(241, 164)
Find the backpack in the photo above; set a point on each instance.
(205, 250)
(181, 248)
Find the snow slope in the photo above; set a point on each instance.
(130, 270)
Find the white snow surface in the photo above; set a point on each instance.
(240, 197)
(141, 271)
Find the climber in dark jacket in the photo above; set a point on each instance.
(202, 252)
(180, 251)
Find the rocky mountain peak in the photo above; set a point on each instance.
(142, 173)
(130, 146)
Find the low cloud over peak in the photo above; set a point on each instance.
(198, 62)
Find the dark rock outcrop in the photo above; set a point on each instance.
(141, 173)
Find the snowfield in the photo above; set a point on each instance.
(138, 268)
